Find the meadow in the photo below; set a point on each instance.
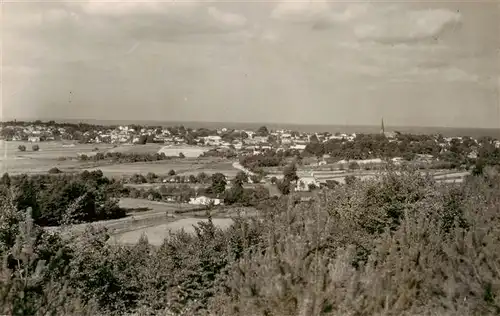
(63, 155)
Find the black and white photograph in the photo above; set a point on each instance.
(250, 157)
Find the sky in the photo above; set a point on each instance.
(414, 63)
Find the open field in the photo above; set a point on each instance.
(141, 204)
(49, 150)
(156, 234)
(136, 149)
(154, 219)
(140, 213)
(181, 167)
(187, 151)
(14, 162)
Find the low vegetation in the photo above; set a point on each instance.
(58, 198)
(402, 245)
(117, 157)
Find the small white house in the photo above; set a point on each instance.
(213, 140)
(473, 154)
(203, 200)
(34, 139)
(304, 182)
(298, 147)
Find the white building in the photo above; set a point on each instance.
(298, 147)
(203, 200)
(213, 140)
(304, 182)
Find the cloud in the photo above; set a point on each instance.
(381, 23)
(439, 73)
(135, 7)
(301, 11)
(227, 18)
(408, 26)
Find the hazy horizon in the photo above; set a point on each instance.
(307, 128)
(415, 63)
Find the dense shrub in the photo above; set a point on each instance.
(118, 157)
(400, 245)
(53, 199)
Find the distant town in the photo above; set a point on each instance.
(238, 139)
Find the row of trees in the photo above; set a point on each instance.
(151, 177)
(117, 157)
(22, 148)
(268, 158)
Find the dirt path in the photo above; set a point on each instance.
(238, 166)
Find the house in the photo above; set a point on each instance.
(298, 147)
(321, 163)
(260, 139)
(34, 139)
(213, 140)
(304, 183)
(203, 200)
(472, 154)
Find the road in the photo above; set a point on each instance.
(238, 166)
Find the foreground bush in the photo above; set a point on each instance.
(57, 198)
(401, 246)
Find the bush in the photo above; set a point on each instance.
(54, 170)
(354, 165)
(54, 200)
(21, 148)
(35, 147)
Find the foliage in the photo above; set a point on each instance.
(21, 148)
(89, 196)
(290, 173)
(35, 147)
(262, 131)
(218, 185)
(54, 170)
(398, 245)
(118, 157)
(241, 177)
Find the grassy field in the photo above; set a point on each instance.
(187, 151)
(157, 233)
(50, 155)
(185, 167)
(14, 161)
(136, 149)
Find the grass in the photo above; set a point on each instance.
(15, 162)
(132, 204)
(181, 166)
(156, 234)
(136, 149)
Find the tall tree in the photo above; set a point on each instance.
(262, 131)
(218, 185)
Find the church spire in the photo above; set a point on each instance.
(382, 128)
